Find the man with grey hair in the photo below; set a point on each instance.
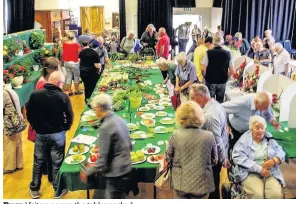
(217, 67)
(102, 52)
(242, 108)
(281, 60)
(114, 144)
(216, 122)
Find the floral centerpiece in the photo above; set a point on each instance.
(250, 84)
(238, 75)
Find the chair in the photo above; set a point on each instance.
(288, 47)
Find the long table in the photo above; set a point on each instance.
(68, 176)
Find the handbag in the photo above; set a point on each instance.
(13, 122)
(176, 100)
(163, 179)
(31, 134)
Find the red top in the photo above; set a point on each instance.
(41, 83)
(70, 52)
(164, 42)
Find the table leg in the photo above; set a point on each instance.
(88, 194)
(154, 191)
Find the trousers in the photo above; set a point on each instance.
(12, 152)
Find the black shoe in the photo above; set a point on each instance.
(8, 171)
(78, 93)
(64, 192)
(71, 94)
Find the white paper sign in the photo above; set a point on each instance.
(285, 102)
(262, 79)
(292, 115)
(84, 139)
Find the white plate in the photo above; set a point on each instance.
(132, 126)
(161, 113)
(141, 133)
(167, 121)
(165, 104)
(159, 108)
(157, 150)
(144, 109)
(160, 92)
(164, 100)
(163, 96)
(153, 101)
(154, 121)
(69, 160)
(150, 106)
(139, 162)
(148, 116)
(86, 149)
(151, 162)
(160, 130)
(160, 85)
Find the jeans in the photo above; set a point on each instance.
(217, 91)
(216, 171)
(89, 80)
(182, 44)
(72, 69)
(53, 144)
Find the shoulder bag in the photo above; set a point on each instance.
(13, 122)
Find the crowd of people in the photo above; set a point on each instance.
(197, 150)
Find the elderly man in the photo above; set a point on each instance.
(50, 113)
(114, 148)
(199, 54)
(170, 68)
(216, 122)
(102, 52)
(243, 107)
(217, 67)
(163, 47)
(281, 60)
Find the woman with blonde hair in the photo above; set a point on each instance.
(191, 153)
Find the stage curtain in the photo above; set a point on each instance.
(183, 3)
(20, 15)
(157, 12)
(92, 18)
(122, 18)
(252, 17)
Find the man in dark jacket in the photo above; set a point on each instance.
(50, 113)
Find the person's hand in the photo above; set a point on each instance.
(83, 176)
(177, 89)
(227, 164)
(275, 124)
(265, 172)
(181, 89)
(145, 44)
(269, 164)
(165, 81)
(228, 128)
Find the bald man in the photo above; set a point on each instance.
(163, 47)
(49, 111)
(242, 108)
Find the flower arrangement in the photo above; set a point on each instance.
(37, 40)
(250, 84)
(6, 56)
(18, 47)
(7, 77)
(41, 55)
(27, 64)
(238, 75)
(16, 70)
(276, 99)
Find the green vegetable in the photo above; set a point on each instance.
(118, 106)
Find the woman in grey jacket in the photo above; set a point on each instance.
(191, 154)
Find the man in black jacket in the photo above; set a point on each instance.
(50, 113)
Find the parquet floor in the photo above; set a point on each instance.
(16, 185)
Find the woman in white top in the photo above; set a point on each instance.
(128, 43)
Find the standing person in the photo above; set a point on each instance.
(243, 107)
(254, 41)
(128, 43)
(269, 39)
(262, 55)
(114, 148)
(102, 53)
(90, 69)
(50, 113)
(86, 36)
(170, 68)
(191, 153)
(70, 55)
(12, 145)
(216, 122)
(196, 34)
(220, 31)
(148, 38)
(163, 47)
(199, 54)
(217, 67)
(245, 47)
(183, 36)
(281, 60)
(113, 45)
(185, 76)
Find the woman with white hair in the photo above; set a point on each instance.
(257, 157)
(185, 76)
(269, 39)
(245, 46)
(281, 60)
(191, 153)
(148, 38)
(262, 54)
(170, 68)
(128, 43)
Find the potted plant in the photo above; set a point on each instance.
(37, 40)
(17, 72)
(18, 48)
(7, 79)
(41, 55)
(6, 56)
(25, 47)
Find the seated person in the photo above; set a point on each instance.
(257, 157)
(262, 54)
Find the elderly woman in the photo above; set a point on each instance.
(254, 41)
(245, 47)
(185, 76)
(170, 68)
(148, 38)
(191, 153)
(257, 156)
(262, 54)
(128, 43)
(269, 39)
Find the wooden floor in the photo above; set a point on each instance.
(16, 185)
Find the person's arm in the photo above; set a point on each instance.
(214, 125)
(268, 115)
(247, 46)
(230, 69)
(68, 112)
(233, 106)
(214, 152)
(107, 60)
(122, 43)
(143, 39)
(170, 150)
(204, 64)
(96, 60)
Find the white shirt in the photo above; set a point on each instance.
(280, 61)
